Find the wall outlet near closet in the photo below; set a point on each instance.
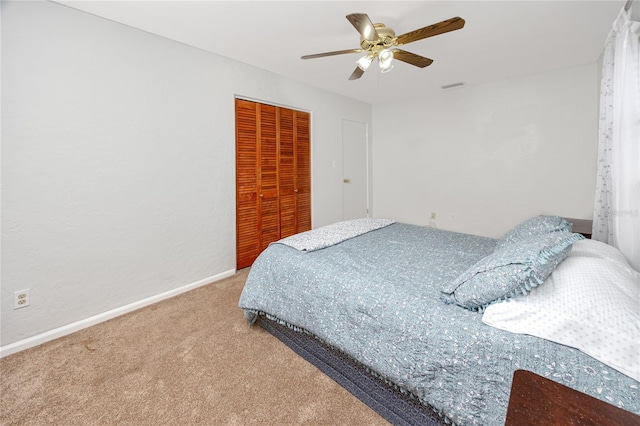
(433, 215)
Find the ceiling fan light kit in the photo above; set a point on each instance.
(385, 57)
(379, 40)
(365, 61)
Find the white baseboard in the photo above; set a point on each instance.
(96, 319)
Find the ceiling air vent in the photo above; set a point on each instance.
(451, 86)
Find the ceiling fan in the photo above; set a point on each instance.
(378, 41)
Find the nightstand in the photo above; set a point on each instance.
(537, 401)
(581, 226)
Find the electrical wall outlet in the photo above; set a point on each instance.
(21, 299)
(433, 215)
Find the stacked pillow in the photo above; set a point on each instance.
(535, 226)
(522, 259)
(590, 302)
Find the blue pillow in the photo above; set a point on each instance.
(510, 271)
(538, 225)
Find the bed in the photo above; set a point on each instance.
(447, 318)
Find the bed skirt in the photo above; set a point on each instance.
(395, 406)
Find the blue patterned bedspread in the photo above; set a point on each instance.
(376, 297)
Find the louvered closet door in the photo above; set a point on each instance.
(247, 239)
(268, 218)
(273, 176)
(303, 171)
(288, 221)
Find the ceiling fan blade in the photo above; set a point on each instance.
(432, 30)
(411, 58)
(357, 73)
(337, 52)
(363, 24)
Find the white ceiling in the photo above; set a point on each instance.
(501, 39)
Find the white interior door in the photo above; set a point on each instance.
(354, 170)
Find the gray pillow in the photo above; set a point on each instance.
(510, 271)
(537, 225)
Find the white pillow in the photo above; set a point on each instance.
(593, 248)
(589, 302)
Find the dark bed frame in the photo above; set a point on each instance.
(396, 406)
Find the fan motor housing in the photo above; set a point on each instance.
(386, 37)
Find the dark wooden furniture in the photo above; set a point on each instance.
(273, 176)
(537, 401)
(581, 226)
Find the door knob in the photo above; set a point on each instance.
(346, 180)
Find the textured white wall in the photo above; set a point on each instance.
(118, 175)
(492, 155)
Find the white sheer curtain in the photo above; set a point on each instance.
(617, 204)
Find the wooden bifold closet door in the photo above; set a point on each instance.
(273, 176)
